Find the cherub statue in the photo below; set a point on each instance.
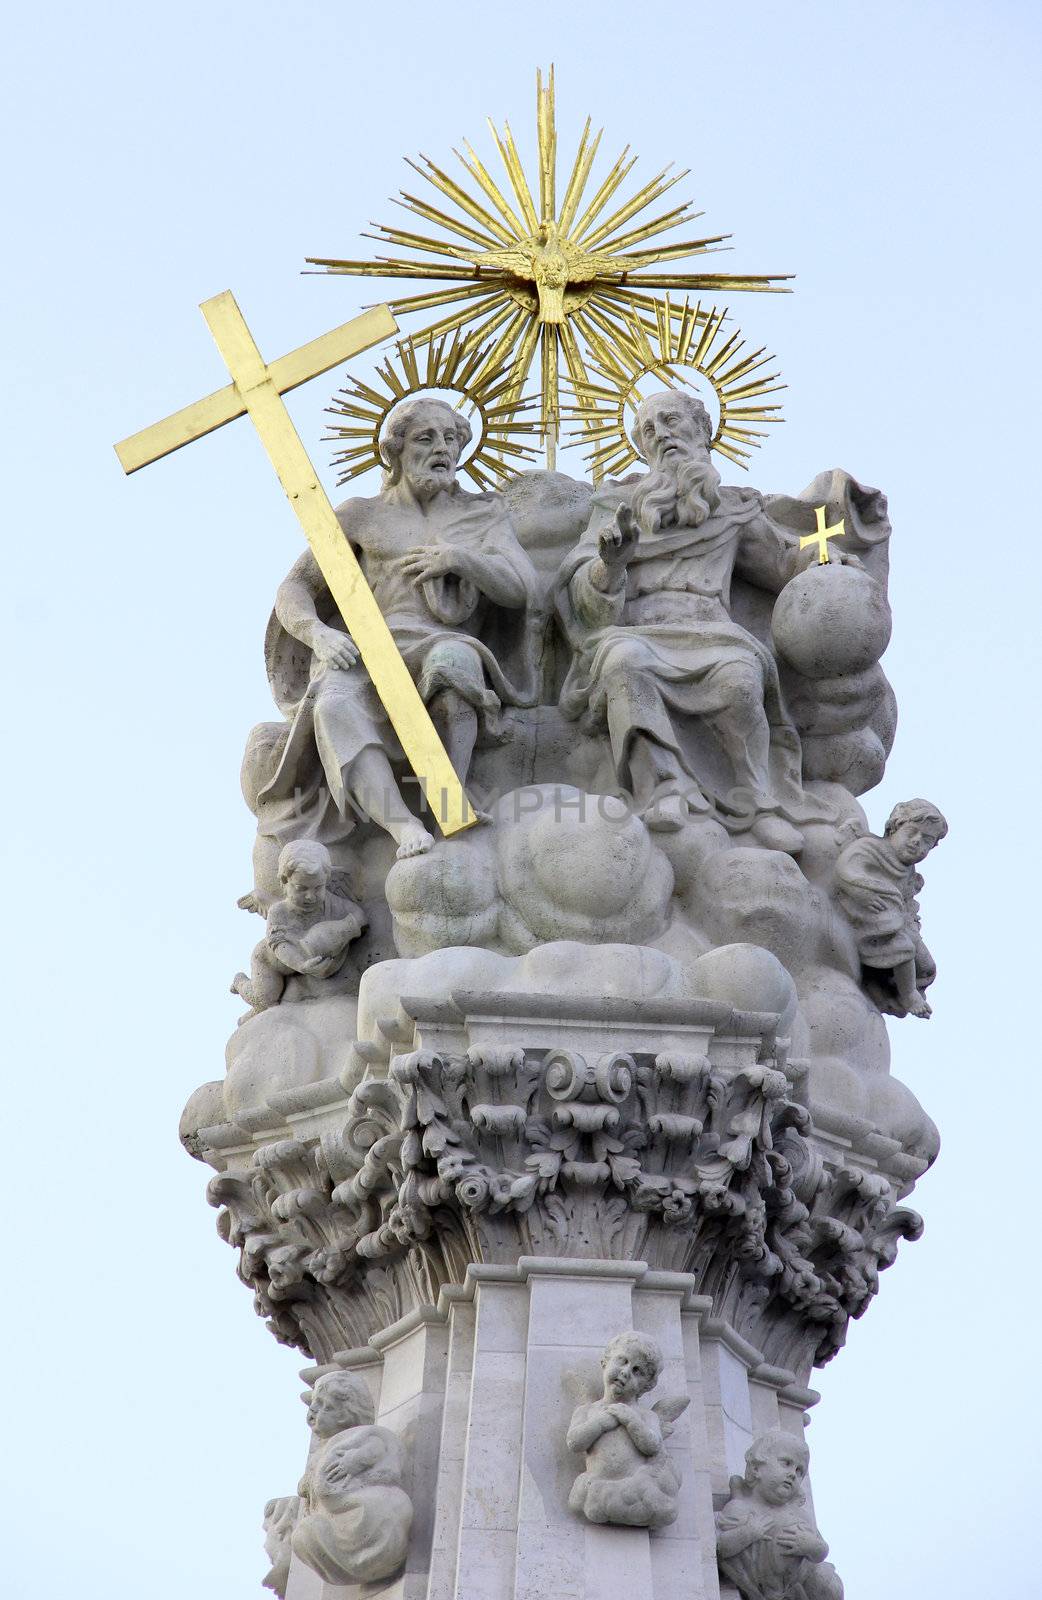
(355, 1516)
(766, 1542)
(629, 1478)
(308, 931)
(876, 885)
(279, 1517)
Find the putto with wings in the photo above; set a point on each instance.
(630, 1479)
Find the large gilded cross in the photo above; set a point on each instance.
(256, 390)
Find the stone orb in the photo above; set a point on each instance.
(831, 620)
(286, 1047)
(857, 760)
(760, 897)
(748, 978)
(896, 1112)
(608, 971)
(204, 1109)
(571, 869)
(447, 897)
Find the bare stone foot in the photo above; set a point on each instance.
(413, 840)
(237, 985)
(920, 1007)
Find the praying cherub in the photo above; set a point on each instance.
(876, 885)
(766, 1542)
(308, 930)
(629, 1478)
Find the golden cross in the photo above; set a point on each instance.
(822, 535)
(257, 390)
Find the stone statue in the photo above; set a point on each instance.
(645, 602)
(279, 1517)
(460, 597)
(629, 1478)
(766, 1541)
(306, 812)
(355, 1516)
(308, 931)
(876, 885)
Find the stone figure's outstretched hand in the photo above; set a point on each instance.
(617, 544)
(333, 648)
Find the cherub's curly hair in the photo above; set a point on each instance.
(916, 811)
(763, 1447)
(303, 853)
(350, 1394)
(647, 1347)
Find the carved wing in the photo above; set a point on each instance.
(669, 1409)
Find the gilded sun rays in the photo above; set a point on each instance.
(452, 365)
(684, 337)
(526, 273)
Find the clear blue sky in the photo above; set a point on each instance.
(885, 153)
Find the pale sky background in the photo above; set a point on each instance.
(887, 154)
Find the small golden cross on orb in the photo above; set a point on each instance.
(822, 535)
(257, 390)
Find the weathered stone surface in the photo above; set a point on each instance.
(697, 1154)
(610, 1067)
(629, 1479)
(766, 1540)
(353, 1521)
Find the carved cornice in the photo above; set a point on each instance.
(699, 1161)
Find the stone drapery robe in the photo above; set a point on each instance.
(355, 1516)
(450, 635)
(675, 607)
(870, 870)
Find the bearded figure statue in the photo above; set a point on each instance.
(448, 573)
(645, 602)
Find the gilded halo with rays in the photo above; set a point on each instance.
(453, 365)
(683, 336)
(526, 274)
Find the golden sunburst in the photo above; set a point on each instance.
(682, 337)
(452, 365)
(531, 274)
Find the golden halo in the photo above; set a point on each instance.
(455, 366)
(694, 339)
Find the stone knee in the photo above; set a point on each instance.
(625, 660)
(739, 689)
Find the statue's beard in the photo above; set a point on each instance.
(429, 482)
(681, 494)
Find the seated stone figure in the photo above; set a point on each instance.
(355, 1516)
(766, 1542)
(645, 601)
(459, 596)
(629, 1478)
(308, 931)
(876, 885)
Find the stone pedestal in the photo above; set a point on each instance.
(497, 1185)
(481, 1389)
